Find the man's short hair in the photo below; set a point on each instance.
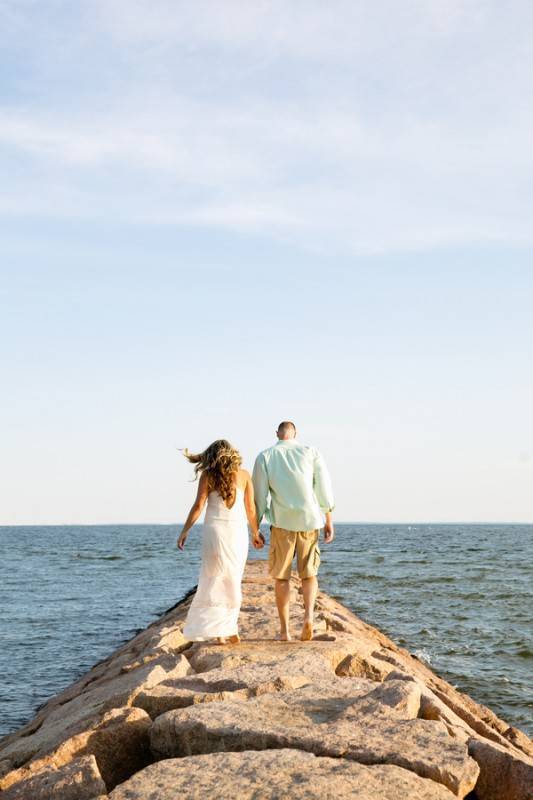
(286, 427)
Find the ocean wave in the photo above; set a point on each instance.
(84, 557)
(423, 655)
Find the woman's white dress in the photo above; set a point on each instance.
(215, 607)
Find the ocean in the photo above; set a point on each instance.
(458, 596)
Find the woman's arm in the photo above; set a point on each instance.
(196, 510)
(249, 503)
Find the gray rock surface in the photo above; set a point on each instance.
(504, 775)
(274, 775)
(119, 741)
(254, 671)
(342, 718)
(81, 713)
(78, 780)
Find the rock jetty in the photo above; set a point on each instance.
(348, 715)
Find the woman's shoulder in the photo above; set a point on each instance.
(243, 476)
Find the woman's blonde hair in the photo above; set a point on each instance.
(220, 461)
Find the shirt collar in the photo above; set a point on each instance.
(286, 442)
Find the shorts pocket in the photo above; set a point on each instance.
(316, 557)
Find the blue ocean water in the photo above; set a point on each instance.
(459, 596)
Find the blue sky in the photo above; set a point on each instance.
(218, 215)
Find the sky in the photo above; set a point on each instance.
(218, 215)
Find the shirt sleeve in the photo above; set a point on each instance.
(261, 488)
(322, 484)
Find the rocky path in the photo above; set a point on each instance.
(348, 715)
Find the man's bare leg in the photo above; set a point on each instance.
(283, 593)
(309, 590)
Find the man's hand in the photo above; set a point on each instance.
(182, 539)
(329, 532)
(258, 540)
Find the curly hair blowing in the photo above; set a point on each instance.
(221, 462)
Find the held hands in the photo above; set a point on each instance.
(329, 533)
(258, 540)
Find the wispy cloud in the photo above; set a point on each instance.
(400, 127)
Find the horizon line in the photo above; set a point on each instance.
(178, 524)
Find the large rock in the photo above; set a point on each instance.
(78, 780)
(501, 763)
(359, 666)
(504, 775)
(341, 718)
(82, 712)
(206, 657)
(150, 656)
(255, 670)
(274, 775)
(475, 718)
(119, 742)
(154, 644)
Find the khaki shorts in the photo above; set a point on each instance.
(284, 544)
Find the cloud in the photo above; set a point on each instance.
(306, 29)
(363, 131)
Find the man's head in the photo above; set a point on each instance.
(286, 430)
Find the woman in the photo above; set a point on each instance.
(229, 494)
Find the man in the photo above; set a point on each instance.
(297, 480)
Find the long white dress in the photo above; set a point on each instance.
(215, 607)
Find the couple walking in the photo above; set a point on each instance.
(296, 479)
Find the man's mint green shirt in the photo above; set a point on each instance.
(297, 480)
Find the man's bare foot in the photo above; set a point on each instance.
(307, 632)
(234, 639)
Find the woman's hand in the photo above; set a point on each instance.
(182, 539)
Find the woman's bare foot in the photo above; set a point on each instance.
(307, 632)
(284, 637)
(234, 639)
(221, 640)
